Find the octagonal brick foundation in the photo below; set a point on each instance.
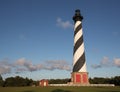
(79, 78)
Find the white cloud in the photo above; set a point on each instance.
(20, 61)
(26, 64)
(95, 66)
(116, 62)
(5, 67)
(64, 24)
(57, 64)
(23, 64)
(105, 62)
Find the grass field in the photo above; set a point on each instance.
(59, 89)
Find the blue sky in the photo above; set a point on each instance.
(36, 37)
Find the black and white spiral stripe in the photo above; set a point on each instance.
(79, 64)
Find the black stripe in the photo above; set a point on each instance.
(78, 65)
(77, 29)
(78, 43)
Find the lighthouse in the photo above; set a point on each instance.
(79, 73)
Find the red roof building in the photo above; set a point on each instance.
(43, 82)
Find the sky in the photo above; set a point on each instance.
(36, 37)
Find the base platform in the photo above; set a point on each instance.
(79, 78)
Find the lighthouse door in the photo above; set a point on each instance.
(78, 78)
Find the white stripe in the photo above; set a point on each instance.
(76, 24)
(77, 36)
(83, 69)
(78, 53)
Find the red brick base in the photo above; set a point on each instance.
(79, 78)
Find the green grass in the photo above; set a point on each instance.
(59, 89)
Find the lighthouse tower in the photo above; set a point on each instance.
(79, 74)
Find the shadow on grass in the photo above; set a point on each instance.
(110, 91)
(60, 90)
(28, 91)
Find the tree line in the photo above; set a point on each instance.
(99, 80)
(20, 81)
(59, 81)
(17, 82)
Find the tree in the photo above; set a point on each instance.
(117, 80)
(59, 81)
(18, 81)
(114, 80)
(1, 81)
